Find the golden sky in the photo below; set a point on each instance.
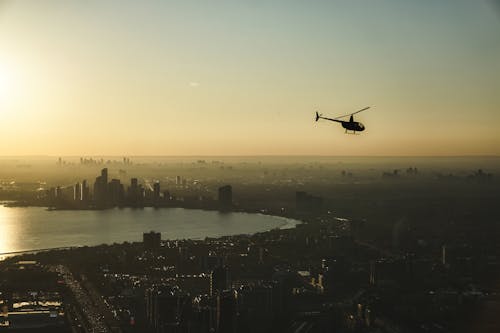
(245, 78)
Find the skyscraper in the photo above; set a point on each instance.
(115, 192)
(164, 308)
(101, 188)
(151, 240)
(225, 197)
(85, 191)
(226, 312)
(220, 279)
(133, 192)
(77, 193)
(104, 175)
(156, 191)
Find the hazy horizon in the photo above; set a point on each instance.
(170, 78)
(77, 156)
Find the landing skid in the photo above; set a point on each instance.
(351, 132)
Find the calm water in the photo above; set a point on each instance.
(28, 228)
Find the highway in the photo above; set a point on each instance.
(94, 320)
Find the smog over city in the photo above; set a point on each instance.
(235, 166)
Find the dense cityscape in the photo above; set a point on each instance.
(356, 264)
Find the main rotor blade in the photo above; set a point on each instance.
(350, 114)
(363, 109)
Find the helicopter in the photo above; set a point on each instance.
(351, 125)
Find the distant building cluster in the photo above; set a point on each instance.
(480, 175)
(107, 193)
(90, 161)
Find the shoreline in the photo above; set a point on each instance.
(284, 223)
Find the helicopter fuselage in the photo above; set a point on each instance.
(353, 126)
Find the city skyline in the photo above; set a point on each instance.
(186, 79)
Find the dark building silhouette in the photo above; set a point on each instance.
(225, 197)
(308, 203)
(156, 192)
(101, 188)
(335, 273)
(133, 183)
(151, 240)
(402, 235)
(115, 192)
(255, 308)
(204, 314)
(220, 279)
(85, 191)
(134, 192)
(104, 175)
(164, 308)
(209, 263)
(77, 195)
(226, 312)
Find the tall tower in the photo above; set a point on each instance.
(156, 191)
(77, 192)
(225, 197)
(104, 175)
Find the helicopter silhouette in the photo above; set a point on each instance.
(351, 125)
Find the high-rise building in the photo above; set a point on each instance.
(307, 203)
(85, 191)
(225, 197)
(98, 190)
(104, 175)
(256, 307)
(151, 240)
(164, 308)
(226, 312)
(335, 273)
(115, 192)
(220, 279)
(134, 192)
(156, 191)
(101, 188)
(77, 192)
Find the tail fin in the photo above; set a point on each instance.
(317, 116)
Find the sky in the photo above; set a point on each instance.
(245, 77)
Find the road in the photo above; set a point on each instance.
(94, 320)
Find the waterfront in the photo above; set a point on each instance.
(28, 228)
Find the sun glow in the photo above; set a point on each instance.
(6, 83)
(7, 228)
